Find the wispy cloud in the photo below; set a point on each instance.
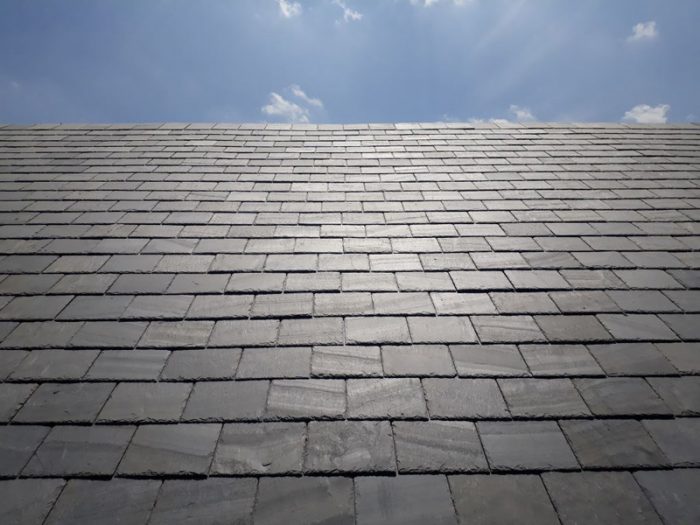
(646, 114)
(349, 15)
(429, 3)
(522, 114)
(283, 109)
(643, 31)
(289, 8)
(299, 93)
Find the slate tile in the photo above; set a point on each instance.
(642, 301)
(214, 501)
(441, 330)
(104, 307)
(9, 361)
(128, 364)
(346, 361)
(536, 280)
(594, 301)
(673, 493)
(572, 328)
(338, 304)
(681, 394)
(646, 279)
(17, 444)
(484, 500)
(677, 438)
(214, 363)
(317, 331)
(637, 327)
(394, 262)
(108, 334)
(283, 305)
(684, 325)
(47, 334)
(599, 497)
(34, 308)
(226, 401)
(611, 443)
(146, 402)
(405, 303)
(617, 396)
(244, 333)
(196, 283)
(304, 500)
(85, 283)
(350, 446)
(687, 300)
(488, 360)
(417, 360)
(28, 500)
(55, 365)
(220, 306)
(149, 283)
(306, 398)
(438, 446)
(464, 398)
(313, 282)
(560, 360)
(507, 329)
(385, 399)
(176, 334)
(114, 501)
(64, 403)
(525, 445)
(631, 359)
(480, 280)
(523, 303)
(237, 263)
(403, 499)
(683, 356)
(158, 307)
(80, 451)
(12, 397)
(182, 450)
(542, 398)
(424, 281)
(462, 303)
(260, 448)
(375, 330)
(288, 362)
(592, 279)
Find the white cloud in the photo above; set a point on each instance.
(522, 114)
(298, 92)
(429, 3)
(289, 8)
(349, 15)
(646, 114)
(283, 109)
(643, 31)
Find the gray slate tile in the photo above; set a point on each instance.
(306, 398)
(488, 360)
(542, 398)
(677, 438)
(560, 360)
(226, 401)
(17, 444)
(345, 361)
(28, 501)
(618, 396)
(464, 398)
(128, 364)
(65, 403)
(681, 394)
(673, 493)
(146, 402)
(417, 360)
(385, 399)
(196, 365)
(282, 362)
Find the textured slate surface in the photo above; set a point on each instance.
(451, 323)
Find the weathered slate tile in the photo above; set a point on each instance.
(306, 398)
(17, 444)
(12, 397)
(403, 499)
(438, 446)
(677, 438)
(560, 360)
(9, 361)
(176, 334)
(476, 360)
(253, 282)
(55, 365)
(158, 307)
(686, 326)
(345, 361)
(128, 364)
(376, 330)
(349, 446)
(304, 500)
(34, 308)
(637, 327)
(102, 307)
(283, 305)
(417, 360)
(472, 280)
(146, 402)
(385, 399)
(642, 301)
(424, 281)
(114, 501)
(441, 330)
(683, 356)
(631, 359)
(462, 303)
(285, 362)
(599, 497)
(149, 283)
(464, 398)
(226, 401)
(48, 334)
(244, 333)
(80, 451)
(307, 332)
(214, 363)
(524, 303)
(183, 450)
(228, 306)
(507, 329)
(65, 403)
(483, 500)
(572, 328)
(594, 301)
(28, 500)
(612, 443)
(617, 396)
(108, 334)
(214, 501)
(541, 398)
(525, 445)
(404, 303)
(673, 493)
(259, 448)
(338, 304)
(196, 283)
(681, 394)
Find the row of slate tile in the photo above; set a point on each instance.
(473, 360)
(648, 497)
(175, 307)
(351, 330)
(346, 447)
(362, 398)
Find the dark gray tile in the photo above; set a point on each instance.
(12, 397)
(65, 403)
(376, 330)
(306, 398)
(244, 333)
(572, 328)
(259, 448)
(542, 398)
(507, 329)
(560, 360)
(214, 363)
(403, 500)
(283, 362)
(307, 332)
(55, 365)
(417, 360)
(488, 360)
(681, 394)
(226, 401)
(177, 334)
(464, 398)
(220, 306)
(17, 444)
(673, 493)
(618, 396)
(101, 307)
(637, 327)
(683, 356)
(449, 329)
(108, 334)
(146, 402)
(345, 361)
(631, 359)
(385, 399)
(9, 361)
(677, 438)
(128, 365)
(182, 450)
(28, 501)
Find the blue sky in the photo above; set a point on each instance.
(349, 60)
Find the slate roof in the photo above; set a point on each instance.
(420, 323)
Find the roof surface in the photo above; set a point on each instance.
(415, 323)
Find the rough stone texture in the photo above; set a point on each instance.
(360, 309)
